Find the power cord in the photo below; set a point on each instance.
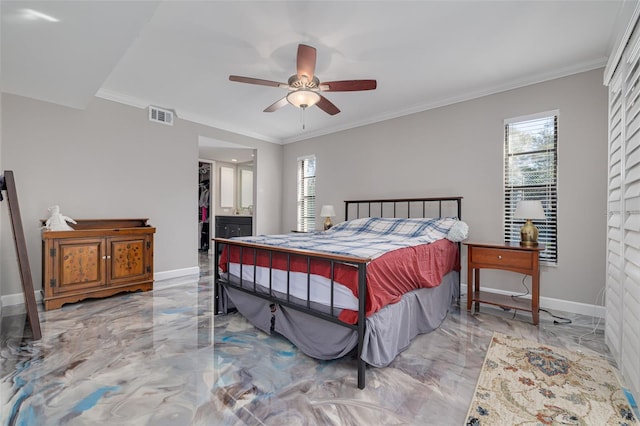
(594, 323)
(557, 320)
(524, 277)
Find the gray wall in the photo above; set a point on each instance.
(109, 161)
(458, 150)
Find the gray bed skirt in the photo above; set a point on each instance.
(388, 331)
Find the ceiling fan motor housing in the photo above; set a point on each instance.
(296, 83)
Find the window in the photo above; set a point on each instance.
(307, 193)
(530, 173)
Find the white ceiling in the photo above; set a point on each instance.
(179, 54)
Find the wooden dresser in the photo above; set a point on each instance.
(99, 258)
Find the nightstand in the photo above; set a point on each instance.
(508, 257)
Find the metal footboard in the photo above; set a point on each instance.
(252, 287)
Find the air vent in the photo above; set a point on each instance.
(160, 115)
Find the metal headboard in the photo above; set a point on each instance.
(403, 207)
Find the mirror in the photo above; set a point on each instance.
(226, 187)
(245, 187)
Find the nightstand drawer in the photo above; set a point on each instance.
(501, 258)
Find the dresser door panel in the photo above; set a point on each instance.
(129, 258)
(78, 264)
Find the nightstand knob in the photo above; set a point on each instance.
(499, 257)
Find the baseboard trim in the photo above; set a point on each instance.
(550, 303)
(18, 298)
(176, 273)
(597, 311)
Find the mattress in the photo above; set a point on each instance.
(399, 262)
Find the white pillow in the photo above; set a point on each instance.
(458, 232)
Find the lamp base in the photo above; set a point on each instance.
(529, 243)
(327, 223)
(529, 234)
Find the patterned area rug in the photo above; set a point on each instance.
(526, 383)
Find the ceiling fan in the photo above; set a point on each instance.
(304, 87)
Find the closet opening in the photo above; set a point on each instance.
(227, 177)
(205, 201)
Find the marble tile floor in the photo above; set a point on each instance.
(162, 358)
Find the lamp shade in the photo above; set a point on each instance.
(529, 209)
(303, 98)
(327, 211)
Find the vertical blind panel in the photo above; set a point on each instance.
(615, 158)
(615, 274)
(631, 70)
(616, 150)
(613, 304)
(631, 227)
(633, 126)
(630, 345)
(631, 88)
(633, 140)
(631, 337)
(614, 292)
(633, 178)
(612, 328)
(615, 295)
(614, 226)
(622, 330)
(631, 300)
(616, 119)
(631, 297)
(615, 190)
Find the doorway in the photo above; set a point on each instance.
(205, 201)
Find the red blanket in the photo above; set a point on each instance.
(388, 276)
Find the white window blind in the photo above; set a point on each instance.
(530, 173)
(307, 193)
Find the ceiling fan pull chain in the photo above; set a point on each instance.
(302, 117)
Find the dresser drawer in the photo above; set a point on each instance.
(500, 258)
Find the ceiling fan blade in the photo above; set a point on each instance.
(306, 62)
(348, 85)
(257, 81)
(327, 106)
(277, 105)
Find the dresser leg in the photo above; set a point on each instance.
(469, 287)
(476, 288)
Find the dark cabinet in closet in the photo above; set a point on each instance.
(233, 226)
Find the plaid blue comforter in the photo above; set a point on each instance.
(367, 237)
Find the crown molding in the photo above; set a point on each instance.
(504, 87)
(414, 109)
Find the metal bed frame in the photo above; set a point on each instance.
(250, 287)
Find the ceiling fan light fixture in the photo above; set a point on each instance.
(303, 98)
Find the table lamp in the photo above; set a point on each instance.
(529, 209)
(327, 212)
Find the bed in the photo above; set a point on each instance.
(372, 283)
